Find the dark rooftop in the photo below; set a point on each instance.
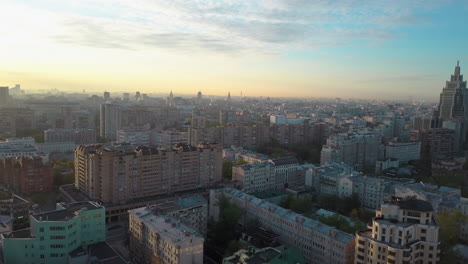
(285, 161)
(415, 205)
(67, 213)
(23, 233)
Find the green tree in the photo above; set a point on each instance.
(223, 231)
(286, 201)
(449, 222)
(227, 169)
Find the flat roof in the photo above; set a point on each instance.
(68, 212)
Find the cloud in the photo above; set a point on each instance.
(228, 26)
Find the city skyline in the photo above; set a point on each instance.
(346, 49)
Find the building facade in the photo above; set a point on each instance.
(26, 175)
(403, 231)
(55, 234)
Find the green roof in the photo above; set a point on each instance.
(289, 256)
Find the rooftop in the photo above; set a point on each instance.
(166, 226)
(69, 211)
(415, 205)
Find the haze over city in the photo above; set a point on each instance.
(357, 49)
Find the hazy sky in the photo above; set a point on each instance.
(345, 48)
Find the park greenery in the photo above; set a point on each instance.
(305, 153)
(450, 222)
(342, 223)
(302, 205)
(223, 232)
(63, 172)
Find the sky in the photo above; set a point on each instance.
(376, 49)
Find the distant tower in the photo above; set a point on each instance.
(4, 95)
(199, 96)
(106, 96)
(453, 107)
(126, 97)
(170, 99)
(229, 96)
(137, 96)
(110, 121)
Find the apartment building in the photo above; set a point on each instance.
(163, 239)
(403, 231)
(54, 235)
(317, 242)
(358, 149)
(121, 173)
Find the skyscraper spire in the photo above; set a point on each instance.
(457, 69)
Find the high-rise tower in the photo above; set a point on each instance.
(452, 112)
(454, 98)
(110, 121)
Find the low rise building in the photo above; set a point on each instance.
(403, 231)
(56, 234)
(163, 239)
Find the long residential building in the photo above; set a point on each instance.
(163, 239)
(77, 136)
(120, 173)
(254, 136)
(54, 235)
(318, 242)
(276, 174)
(403, 232)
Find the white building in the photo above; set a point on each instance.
(371, 191)
(403, 231)
(18, 147)
(163, 239)
(403, 151)
(255, 177)
(325, 179)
